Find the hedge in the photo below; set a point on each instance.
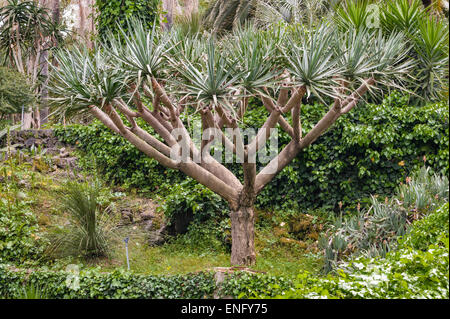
(94, 284)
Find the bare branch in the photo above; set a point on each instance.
(136, 141)
(291, 150)
(102, 117)
(352, 100)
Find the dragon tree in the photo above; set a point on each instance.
(156, 79)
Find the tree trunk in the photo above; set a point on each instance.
(44, 91)
(27, 119)
(243, 236)
(81, 29)
(168, 6)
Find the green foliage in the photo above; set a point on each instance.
(191, 197)
(409, 272)
(405, 273)
(15, 91)
(423, 192)
(427, 230)
(248, 285)
(94, 284)
(112, 14)
(427, 39)
(375, 232)
(20, 238)
(31, 292)
(369, 151)
(207, 238)
(89, 231)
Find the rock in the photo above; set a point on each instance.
(63, 154)
(68, 162)
(46, 133)
(23, 183)
(52, 150)
(147, 215)
(158, 237)
(127, 216)
(148, 225)
(30, 142)
(36, 137)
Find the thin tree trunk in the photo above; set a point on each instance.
(168, 6)
(82, 13)
(27, 120)
(44, 91)
(44, 62)
(243, 236)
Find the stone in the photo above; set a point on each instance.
(30, 142)
(148, 224)
(67, 162)
(127, 216)
(147, 215)
(158, 237)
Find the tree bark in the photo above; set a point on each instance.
(243, 236)
(168, 6)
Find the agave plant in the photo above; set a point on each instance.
(280, 66)
(376, 231)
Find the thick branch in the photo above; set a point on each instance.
(136, 141)
(102, 117)
(351, 101)
(291, 150)
(296, 124)
(295, 99)
(211, 123)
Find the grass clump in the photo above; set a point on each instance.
(89, 230)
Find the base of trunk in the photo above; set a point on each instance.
(243, 236)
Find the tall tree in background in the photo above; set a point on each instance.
(168, 8)
(54, 6)
(25, 27)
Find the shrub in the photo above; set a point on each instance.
(20, 238)
(93, 284)
(427, 230)
(112, 14)
(405, 273)
(15, 92)
(193, 198)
